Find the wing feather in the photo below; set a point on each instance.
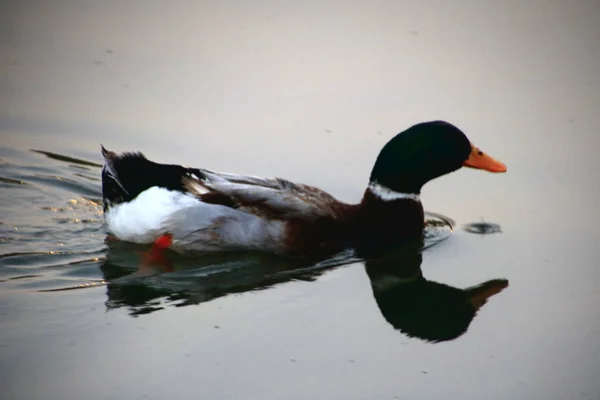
(269, 197)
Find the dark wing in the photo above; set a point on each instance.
(269, 197)
(126, 175)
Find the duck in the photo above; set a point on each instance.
(195, 210)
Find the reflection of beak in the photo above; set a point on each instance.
(478, 159)
(479, 294)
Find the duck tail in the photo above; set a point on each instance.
(113, 191)
(128, 174)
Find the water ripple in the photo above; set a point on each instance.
(51, 233)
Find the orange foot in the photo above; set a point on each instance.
(155, 258)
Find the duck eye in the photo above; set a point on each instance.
(480, 153)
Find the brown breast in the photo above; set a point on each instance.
(372, 224)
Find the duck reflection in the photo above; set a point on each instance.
(420, 308)
(146, 287)
(412, 304)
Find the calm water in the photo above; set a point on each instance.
(308, 92)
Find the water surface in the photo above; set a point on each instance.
(309, 92)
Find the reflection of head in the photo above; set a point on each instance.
(427, 310)
(420, 308)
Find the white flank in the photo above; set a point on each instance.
(194, 225)
(387, 194)
(142, 220)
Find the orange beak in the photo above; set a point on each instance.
(478, 295)
(479, 160)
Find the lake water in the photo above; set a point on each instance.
(307, 91)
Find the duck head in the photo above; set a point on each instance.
(424, 152)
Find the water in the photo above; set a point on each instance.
(311, 93)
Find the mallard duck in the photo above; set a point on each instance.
(193, 209)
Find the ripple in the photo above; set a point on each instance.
(88, 177)
(12, 181)
(64, 183)
(22, 277)
(438, 228)
(75, 287)
(48, 259)
(482, 228)
(64, 158)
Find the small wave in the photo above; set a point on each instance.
(69, 159)
(12, 181)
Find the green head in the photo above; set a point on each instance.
(425, 151)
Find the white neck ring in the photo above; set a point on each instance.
(386, 194)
